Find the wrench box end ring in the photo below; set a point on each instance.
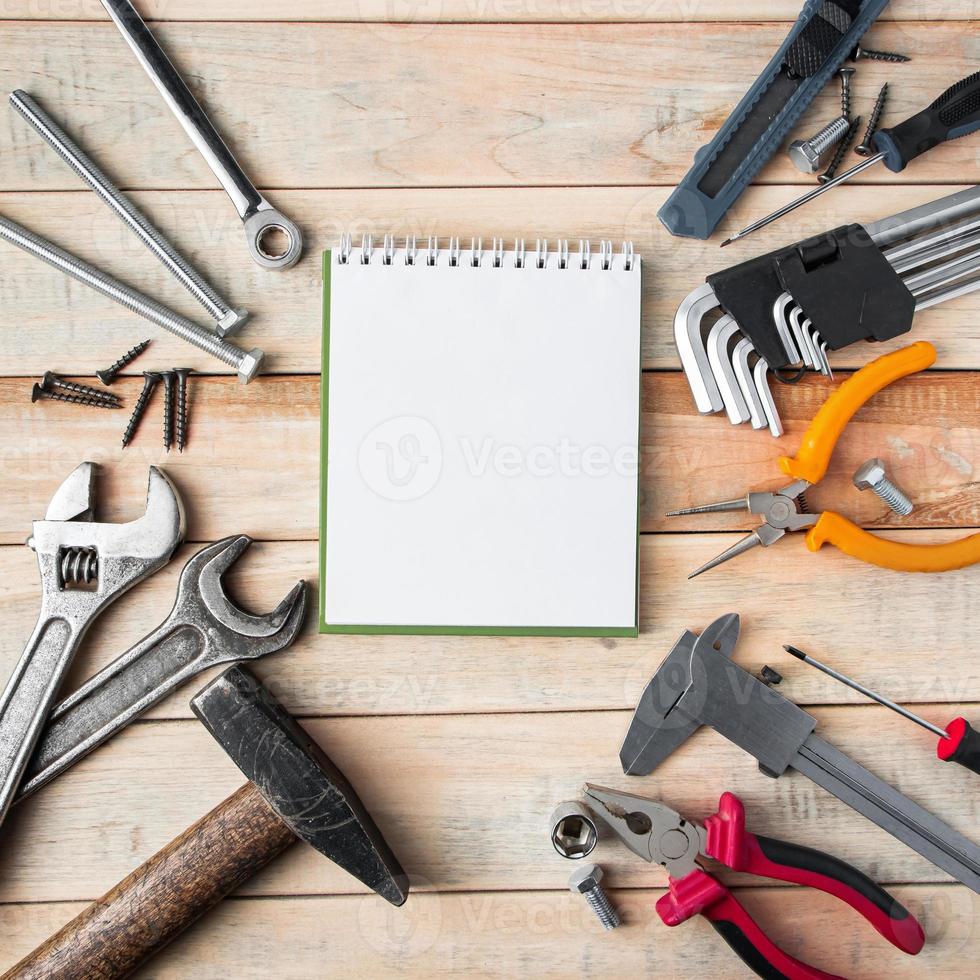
(261, 222)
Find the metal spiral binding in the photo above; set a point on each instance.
(79, 566)
(542, 252)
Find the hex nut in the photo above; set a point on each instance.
(574, 834)
(250, 364)
(585, 879)
(869, 474)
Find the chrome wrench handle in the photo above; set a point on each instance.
(258, 215)
(125, 689)
(25, 702)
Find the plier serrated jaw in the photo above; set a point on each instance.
(649, 829)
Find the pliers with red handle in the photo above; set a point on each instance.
(662, 836)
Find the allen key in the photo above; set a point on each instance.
(936, 261)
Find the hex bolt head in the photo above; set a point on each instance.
(869, 474)
(804, 157)
(249, 366)
(586, 878)
(872, 476)
(586, 881)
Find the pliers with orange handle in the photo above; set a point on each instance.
(786, 509)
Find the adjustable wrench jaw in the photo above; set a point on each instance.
(85, 565)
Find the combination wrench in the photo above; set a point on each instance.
(260, 218)
(204, 629)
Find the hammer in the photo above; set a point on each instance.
(294, 793)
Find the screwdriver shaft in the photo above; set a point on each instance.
(805, 199)
(867, 692)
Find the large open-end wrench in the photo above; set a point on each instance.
(259, 217)
(204, 629)
(84, 566)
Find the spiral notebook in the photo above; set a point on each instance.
(480, 439)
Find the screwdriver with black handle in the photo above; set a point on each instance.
(959, 742)
(954, 114)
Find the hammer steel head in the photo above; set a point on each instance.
(297, 779)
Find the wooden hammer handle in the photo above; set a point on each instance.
(175, 887)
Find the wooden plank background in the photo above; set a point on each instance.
(476, 117)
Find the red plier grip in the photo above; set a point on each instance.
(731, 844)
(698, 893)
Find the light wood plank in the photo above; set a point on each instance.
(883, 642)
(549, 934)
(927, 429)
(354, 105)
(463, 800)
(59, 324)
(419, 11)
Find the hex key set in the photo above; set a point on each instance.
(786, 310)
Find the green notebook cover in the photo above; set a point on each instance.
(422, 630)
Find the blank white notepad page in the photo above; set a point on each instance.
(481, 443)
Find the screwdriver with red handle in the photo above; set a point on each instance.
(954, 114)
(958, 742)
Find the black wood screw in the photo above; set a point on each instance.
(39, 393)
(151, 379)
(52, 382)
(108, 375)
(872, 55)
(167, 377)
(842, 147)
(181, 376)
(866, 148)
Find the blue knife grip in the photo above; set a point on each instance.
(690, 212)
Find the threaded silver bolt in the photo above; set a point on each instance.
(872, 476)
(229, 321)
(808, 155)
(845, 91)
(866, 147)
(840, 152)
(247, 364)
(586, 881)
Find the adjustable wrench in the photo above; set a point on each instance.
(84, 566)
(258, 215)
(204, 629)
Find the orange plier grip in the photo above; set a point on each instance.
(811, 461)
(813, 458)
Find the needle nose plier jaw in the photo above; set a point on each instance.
(786, 509)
